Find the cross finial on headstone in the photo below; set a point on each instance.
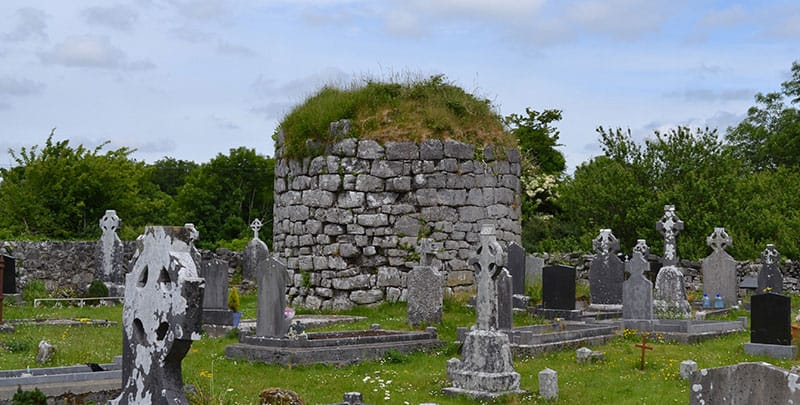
(770, 255)
(641, 247)
(256, 226)
(719, 239)
(490, 254)
(605, 242)
(194, 234)
(425, 250)
(486, 265)
(644, 347)
(110, 221)
(670, 225)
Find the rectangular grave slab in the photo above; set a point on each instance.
(516, 266)
(558, 287)
(770, 319)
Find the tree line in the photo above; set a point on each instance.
(60, 191)
(746, 180)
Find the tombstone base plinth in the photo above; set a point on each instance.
(217, 317)
(567, 314)
(679, 309)
(485, 370)
(774, 351)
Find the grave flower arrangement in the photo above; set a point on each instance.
(234, 304)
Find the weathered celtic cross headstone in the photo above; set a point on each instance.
(606, 272)
(719, 269)
(272, 280)
(637, 290)
(770, 278)
(425, 294)
(670, 297)
(161, 317)
(108, 264)
(485, 369)
(670, 225)
(255, 252)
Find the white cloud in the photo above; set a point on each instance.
(707, 95)
(620, 19)
(204, 10)
(91, 51)
(31, 25)
(118, 16)
(19, 87)
(227, 48)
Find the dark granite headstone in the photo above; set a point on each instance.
(770, 319)
(558, 287)
(770, 278)
(606, 272)
(10, 275)
(505, 306)
(516, 266)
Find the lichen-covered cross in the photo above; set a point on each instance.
(770, 255)
(425, 251)
(670, 225)
(256, 226)
(486, 265)
(605, 242)
(638, 263)
(719, 239)
(109, 222)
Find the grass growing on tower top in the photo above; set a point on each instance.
(413, 110)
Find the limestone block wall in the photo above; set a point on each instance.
(347, 223)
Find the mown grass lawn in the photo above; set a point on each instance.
(396, 379)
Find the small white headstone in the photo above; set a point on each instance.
(548, 384)
(687, 368)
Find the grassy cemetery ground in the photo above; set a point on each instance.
(395, 379)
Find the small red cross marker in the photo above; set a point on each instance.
(644, 347)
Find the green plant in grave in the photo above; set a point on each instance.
(32, 290)
(35, 397)
(97, 289)
(234, 301)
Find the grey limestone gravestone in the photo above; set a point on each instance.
(215, 298)
(670, 297)
(719, 269)
(770, 278)
(606, 272)
(255, 252)
(744, 383)
(548, 384)
(109, 258)
(516, 266)
(637, 290)
(162, 315)
(425, 292)
(533, 270)
(485, 369)
(272, 280)
(505, 300)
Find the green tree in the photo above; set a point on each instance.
(60, 191)
(223, 196)
(170, 174)
(770, 135)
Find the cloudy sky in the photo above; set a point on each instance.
(193, 78)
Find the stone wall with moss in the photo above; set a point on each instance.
(347, 222)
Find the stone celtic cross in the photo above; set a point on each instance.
(670, 225)
(425, 250)
(110, 222)
(642, 250)
(486, 266)
(770, 255)
(719, 239)
(605, 242)
(256, 226)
